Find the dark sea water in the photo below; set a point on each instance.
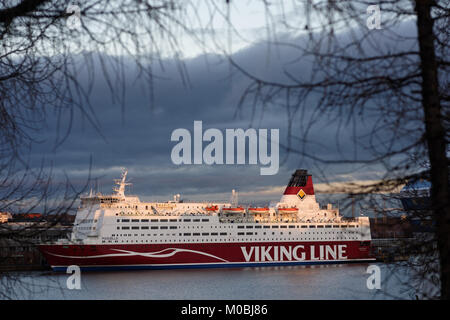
(344, 281)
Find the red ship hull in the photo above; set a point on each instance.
(198, 255)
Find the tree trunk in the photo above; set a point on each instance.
(435, 138)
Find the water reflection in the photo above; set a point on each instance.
(337, 281)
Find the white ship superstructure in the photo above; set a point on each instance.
(118, 220)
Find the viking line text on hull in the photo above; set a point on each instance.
(120, 231)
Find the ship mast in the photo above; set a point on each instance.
(120, 191)
(234, 198)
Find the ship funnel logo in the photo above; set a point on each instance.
(301, 194)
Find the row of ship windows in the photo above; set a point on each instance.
(85, 221)
(241, 226)
(170, 227)
(163, 220)
(146, 228)
(174, 234)
(221, 239)
(175, 227)
(296, 226)
(207, 234)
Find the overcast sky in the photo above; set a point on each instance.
(138, 136)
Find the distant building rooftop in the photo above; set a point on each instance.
(4, 217)
(64, 219)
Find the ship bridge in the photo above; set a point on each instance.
(118, 196)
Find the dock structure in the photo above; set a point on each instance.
(397, 238)
(20, 235)
(391, 249)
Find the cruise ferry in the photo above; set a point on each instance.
(119, 231)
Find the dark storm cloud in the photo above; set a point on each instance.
(138, 136)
